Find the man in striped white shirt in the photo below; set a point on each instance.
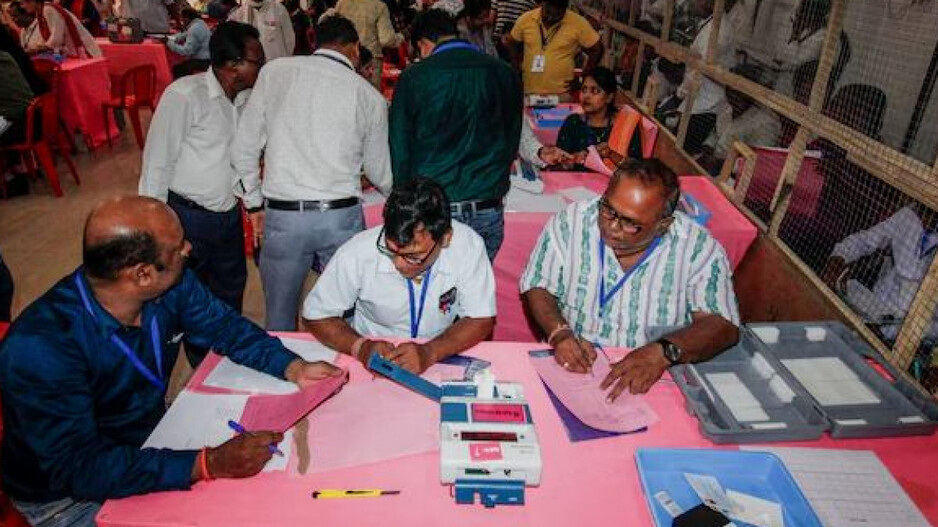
(659, 269)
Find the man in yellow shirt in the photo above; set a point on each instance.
(552, 36)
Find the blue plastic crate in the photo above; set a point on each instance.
(758, 474)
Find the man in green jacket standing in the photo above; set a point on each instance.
(456, 119)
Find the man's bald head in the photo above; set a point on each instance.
(126, 231)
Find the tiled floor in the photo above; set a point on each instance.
(40, 235)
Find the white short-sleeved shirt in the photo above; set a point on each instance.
(687, 272)
(461, 283)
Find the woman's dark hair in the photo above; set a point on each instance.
(416, 202)
(606, 80)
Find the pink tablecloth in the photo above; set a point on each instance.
(83, 88)
(122, 57)
(584, 484)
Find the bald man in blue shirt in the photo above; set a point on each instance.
(83, 371)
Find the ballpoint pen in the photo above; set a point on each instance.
(234, 425)
(351, 493)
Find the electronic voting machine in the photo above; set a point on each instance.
(488, 444)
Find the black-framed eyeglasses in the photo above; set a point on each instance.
(259, 62)
(611, 215)
(411, 258)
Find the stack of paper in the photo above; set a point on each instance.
(197, 420)
(580, 393)
(742, 403)
(227, 374)
(830, 381)
(849, 488)
(520, 201)
(281, 412)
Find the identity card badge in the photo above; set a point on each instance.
(537, 65)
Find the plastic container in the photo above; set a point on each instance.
(788, 414)
(758, 474)
(889, 407)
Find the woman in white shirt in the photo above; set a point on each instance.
(56, 30)
(272, 21)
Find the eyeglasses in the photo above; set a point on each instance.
(611, 215)
(410, 258)
(259, 62)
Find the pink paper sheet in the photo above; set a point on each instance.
(595, 163)
(581, 394)
(280, 412)
(355, 427)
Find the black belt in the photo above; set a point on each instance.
(176, 199)
(316, 205)
(474, 206)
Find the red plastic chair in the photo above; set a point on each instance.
(32, 149)
(50, 70)
(137, 90)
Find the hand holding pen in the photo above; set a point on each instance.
(242, 456)
(271, 447)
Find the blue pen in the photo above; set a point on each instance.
(234, 425)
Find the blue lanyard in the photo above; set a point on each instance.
(416, 313)
(134, 359)
(603, 297)
(454, 44)
(921, 249)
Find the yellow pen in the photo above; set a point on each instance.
(324, 494)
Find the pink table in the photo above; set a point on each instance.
(122, 57)
(587, 484)
(84, 86)
(734, 232)
(548, 136)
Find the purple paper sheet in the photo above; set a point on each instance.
(576, 429)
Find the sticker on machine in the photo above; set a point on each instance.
(485, 452)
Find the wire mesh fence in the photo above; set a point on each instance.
(848, 83)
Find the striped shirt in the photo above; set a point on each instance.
(507, 13)
(687, 272)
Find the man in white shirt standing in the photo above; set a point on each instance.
(187, 160)
(318, 123)
(419, 276)
(273, 22)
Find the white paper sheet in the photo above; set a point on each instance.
(521, 201)
(830, 381)
(849, 488)
(198, 420)
(578, 194)
(233, 376)
(755, 511)
(737, 397)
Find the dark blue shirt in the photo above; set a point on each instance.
(76, 410)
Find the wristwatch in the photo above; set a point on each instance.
(672, 351)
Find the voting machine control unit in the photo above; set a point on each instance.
(488, 443)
